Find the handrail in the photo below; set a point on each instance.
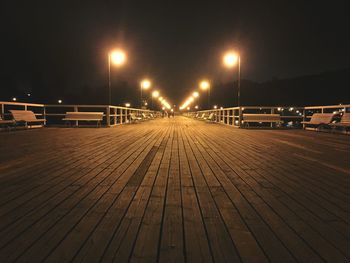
(113, 115)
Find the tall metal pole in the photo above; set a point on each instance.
(239, 81)
(209, 98)
(109, 79)
(141, 98)
(240, 113)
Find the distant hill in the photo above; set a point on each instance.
(326, 88)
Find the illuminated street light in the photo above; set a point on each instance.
(127, 105)
(195, 94)
(155, 94)
(118, 58)
(196, 107)
(215, 107)
(231, 59)
(14, 99)
(205, 85)
(59, 101)
(145, 85)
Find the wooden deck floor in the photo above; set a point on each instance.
(174, 190)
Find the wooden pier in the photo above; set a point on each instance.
(174, 190)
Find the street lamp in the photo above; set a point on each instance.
(205, 85)
(195, 94)
(118, 58)
(127, 105)
(231, 59)
(145, 85)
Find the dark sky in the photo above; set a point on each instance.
(64, 44)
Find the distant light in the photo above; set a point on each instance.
(191, 99)
(195, 94)
(59, 101)
(279, 109)
(160, 98)
(172, 110)
(163, 108)
(291, 109)
(118, 57)
(335, 112)
(230, 59)
(188, 108)
(196, 107)
(127, 105)
(145, 84)
(28, 94)
(215, 107)
(297, 111)
(146, 103)
(221, 108)
(204, 85)
(14, 99)
(155, 94)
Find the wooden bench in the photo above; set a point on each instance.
(26, 116)
(134, 118)
(344, 122)
(210, 118)
(145, 117)
(6, 122)
(261, 118)
(319, 119)
(84, 116)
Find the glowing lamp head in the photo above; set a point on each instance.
(14, 99)
(204, 85)
(145, 84)
(118, 57)
(127, 105)
(155, 94)
(196, 107)
(230, 59)
(59, 101)
(195, 94)
(215, 107)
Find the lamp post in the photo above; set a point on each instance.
(145, 84)
(230, 60)
(155, 94)
(118, 58)
(205, 85)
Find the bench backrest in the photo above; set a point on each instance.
(261, 117)
(23, 115)
(144, 115)
(203, 115)
(133, 116)
(84, 115)
(345, 118)
(321, 118)
(211, 116)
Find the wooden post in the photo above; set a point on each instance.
(76, 110)
(115, 116)
(239, 116)
(108, 116)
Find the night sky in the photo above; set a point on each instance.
(58, 47)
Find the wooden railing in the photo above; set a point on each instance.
(290, 116)
(113, 115)
(5, 106)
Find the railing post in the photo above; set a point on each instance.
(3, 111)
(115, 116)
(44, 115)
(108, 116)
(239, 116)
(75, 110)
